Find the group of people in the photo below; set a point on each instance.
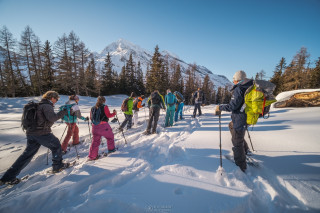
(173, 104)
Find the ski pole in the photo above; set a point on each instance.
(89, 130)
(220, 140)
(48, 156)
(250, 139)
(121, 129)
(77, 151)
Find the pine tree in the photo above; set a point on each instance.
(315, 75)
(207, 88)
(108, 86)
(92, 83)
(139, 84)
(8, 43)
(130, 75)
(155, 73)
(65, 81)
(123, 81)
(277, 77)
(84, 58)
(48, 70)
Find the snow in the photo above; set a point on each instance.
(287, 95)
(176, 170)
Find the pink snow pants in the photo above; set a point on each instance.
(98, 131)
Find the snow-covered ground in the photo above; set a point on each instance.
(176, 170)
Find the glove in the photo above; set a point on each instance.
(86, 119)
(114, 111)
(114, 120)
(218, 112)
(143, 105)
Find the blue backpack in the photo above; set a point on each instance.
(68, 118)
(171, 99)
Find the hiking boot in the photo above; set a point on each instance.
(10, 182)
(249, 153)
(111, 151)
(154, 131)
(61, 167)
(64, 152)
(146, 132)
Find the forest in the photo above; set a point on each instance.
(29, 67)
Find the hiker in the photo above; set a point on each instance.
(71, 121)
(179, 106)
(198, 97)
(137, 104)
(238, 124)
(170, 101)
(155, 103)
(128, 114)
(42, 135)
(99, 116)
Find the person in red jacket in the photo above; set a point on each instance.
(101, 128)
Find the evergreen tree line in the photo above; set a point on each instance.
(297, 75)
(30, 68)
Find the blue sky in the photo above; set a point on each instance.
(224, 36)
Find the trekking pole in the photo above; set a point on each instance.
(250, 139)
(60, 142)
(48, 156)
(121, 129)
(89, 130)
(220, 140)
(77, 151)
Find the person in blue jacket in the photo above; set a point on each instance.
(170, 101)
(238, 124)
(179, 106)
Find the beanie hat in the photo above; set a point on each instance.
(239, 76)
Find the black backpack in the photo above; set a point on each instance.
(155, 98)
(98, 115)
(29, 116)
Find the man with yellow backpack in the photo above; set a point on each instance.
(247, 104)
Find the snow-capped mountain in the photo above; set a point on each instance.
(121, 50)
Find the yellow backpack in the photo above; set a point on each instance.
(258, 99)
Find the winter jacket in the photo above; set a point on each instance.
(238, 116)
(45, 118)
(198, 97)
(74, 112)
(137, 104)
(130, 106)
(105, 115)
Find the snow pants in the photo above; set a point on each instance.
(154, 114)
(240, 146)
(73, 131)
(98, 131)
(135, 118)
(170, 115)
(178, 112)
(33, 144)
(197, 106)
(127, 120)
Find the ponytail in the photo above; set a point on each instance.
(100, 101)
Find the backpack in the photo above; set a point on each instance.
(155, 98)
(98, 115)
(124, 105)
(135, 104)
(29, 116)
(170, 99)
(68, 118)
(258, 99)
(179, 96)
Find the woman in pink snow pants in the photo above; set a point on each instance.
(99, 116)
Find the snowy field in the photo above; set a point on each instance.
(176, 170)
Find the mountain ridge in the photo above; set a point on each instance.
(121, 49)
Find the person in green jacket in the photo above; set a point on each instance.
(128, 114)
